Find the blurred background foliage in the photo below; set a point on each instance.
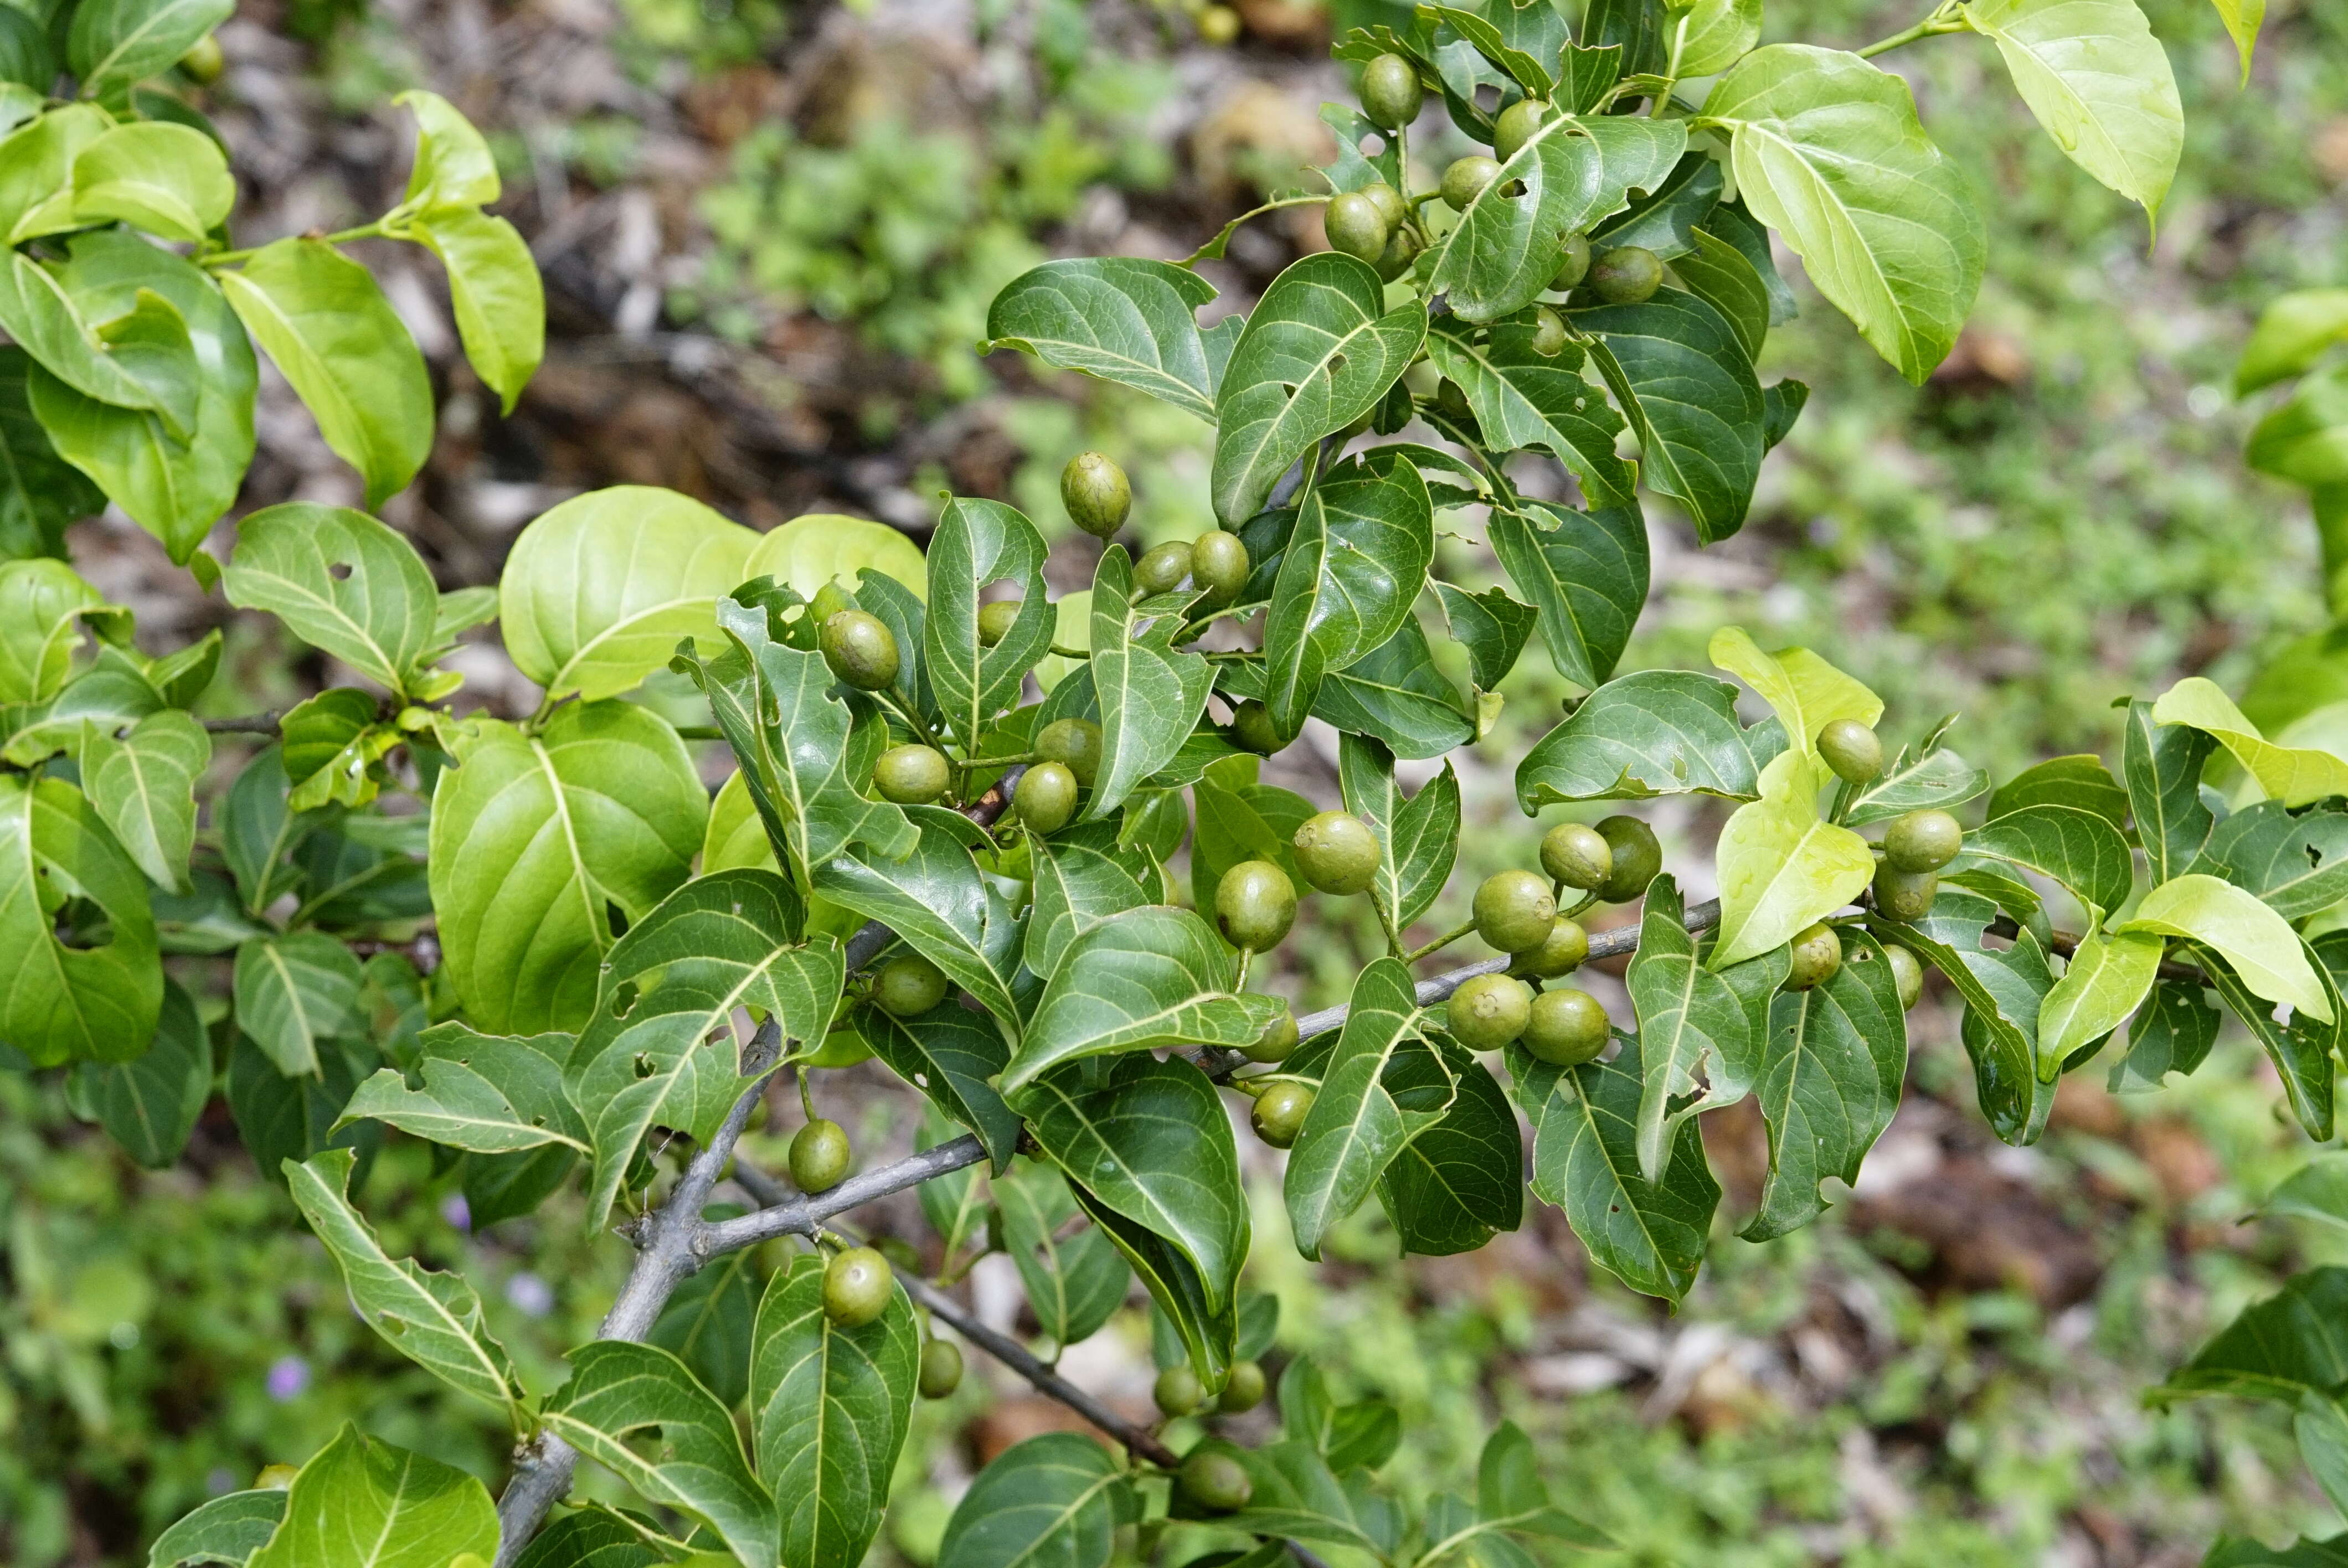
(770, 229)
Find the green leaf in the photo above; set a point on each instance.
(329, 330)
(1827, 151)
(165, 179)
(597, 591)
(618, 1390)
(228, 1529)
(941, 907)
(44, 608)
(2298, 866)
(537, 839)
(1150, 696)
(149, 1103)
(2098, 81)
(1419, 837)
(830, 1407)
(1698, 1045)
(2305, 441)
(1665, 219)
(1510, 1495)
(88, 999)
(1176, 1288)
(2284, 1347)
(2172, 1034)
(1246, 821)
(2258, 943)
(291, 992)
(1052, 1501)
(1361, 1434)
(1077, 886)
(1074, 1281)
(2162, 763)
(432, 1318)
(2301, 1049)
(2293, 776)
(37, 168)
(488, 1093)
(40, 491)
(2294, 330)
(1121, 318)
(1686, 383)
(1929, 777)
(1397, 693)
(27, 61)
(1568, 173)
(2081, 782)
(1296, 1495)
(2234, 1551)
(1719, 273)
(2316, 1191)
(1358, 557)
(453, 166)
(141, 358)
(2242, 18)
(2001, 1014)
(333, 749)
(1153, 1144)
(1491, 626)
(1356, 1125)
(817, 549)
(1461, 1181)
(591, 1537)
(1522, 398)
(1707, 36)
(1782, 867)
(2107, 977)
(1585, 1161)
(360, 1502)
(1146, 979)
(1660, 732)
(283, 1118)
(341, 581)
(494, 289)
(1318, 353)
(716, 944)
(979, 543)
(116, 42)
(708, 1323)
(2078, 848)
(949, 1053)
(143, 785)
(1805, 692)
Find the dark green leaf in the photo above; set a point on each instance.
(1459, 1183)
(1716, 271)
(1660, 732)
(940, 906)
(283, 1118)
(1491, 626)
(1732, 222)
(1298, 1496)
(79, 1000)
(1358, 1125)
(1124, 320)
(1523, 398)
(41, 492)
(1698, 1047)
(2233, 1552)
(949, 1053)
(2290, 1344)
(1665, 218)
(2298, 864)
(1831, 1073)
(2078, 848)
(979, 543)
(2172, 1033)
(1686, 385)
(149, 1103)
(1241, 821)
(1074, 1281)
(1419, 837)
(1053, 1501)
(1585, 573)
(2163, 765)
(2001, 1009)
(257, 830)
(590, 1538)
(1176, 1287)
(1635, 26)
(2301, 1049)
(1397, 693)
(1150, 696)
(1077, 886)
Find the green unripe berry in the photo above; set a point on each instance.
(1355, 226)
(1243, 1388)
(1177, 1392)
(1904, 896)
(907, 986)
(1637, 857)
(1045, 798)
(1573, 263)
(1162, 569)
(1516, 126)
(1818, 954)
(1277, 1040)
(1852, 750)
(1219, 566)
(1255, 904)
(1452, 398)
(911, 774)
(829, 600)
(1922, 841)
(996, 618)
(1219, 25)
(1391, 92)
(1548, 332)
(1626, 275)
(203, 62)
(1217, 1482)
(1577, 854)
(1906, 973)
(940, 1372)
(1514, 911)
(820, 1152)
(1251, 729)
(1279, 1113)
(1097, 494)
(1401, 250)
(1337, 852)
(1490, 1011)
(857, 1286)
(1566, 1028)
(861, 649)
(1074, 743)
(1466, 179)
(1561, 953)
(1388, 201)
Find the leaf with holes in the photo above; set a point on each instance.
(2297, 864)
(1693, 1028)
(341, 582)
(487, 1094)
(66, 994)
(2173, 1033)
(1523, 397)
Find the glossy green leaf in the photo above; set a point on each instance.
(327, 327)
(2294, 330)
(2003, 1015)
(949, 1053)
(2283, 1347)
(37, 168)
(84, 1000)
(2081, 782)
(488, 1093)
(1077, 886)
(360, 1502)
(827, 547)
(1357, 559)
(27, 61)
(291, 992)
(432, 1318)
(1695, 1035)
(1684, 381)
(830, 1408)
(1241, 821)
(1052, 1501)
(283, 1118)
(1782, 867)
(1146, 979)
(115, 43)
(1119, 318)
(537, 839)
(2098, 82)
(941, 907)
(1356, 1125)
(2297, 864)
(2162, 763)
(1928, 777)
(141, 358)
(1460, 1182)
(1663, 220)
(333, 749)
(2306, 440)
(1827, 151)
(979, 543)
(2078, 848)
(1419, 837)
(1512, 1499)
(494, 289)
(1491, 626)
(2173, 1033)
(143, 785)
(1717, 273)
(619, 1391)
(1660, 732)
(45, 606)
(1318, 353)
(40, 491)
(453, 165)
(166, 179)
(2263, 950)
(1150, 696)
(1176, 1288)
(1397, 694)
(228, 1529)
(715, 945)
(149, 1103)
(2291, 774)
(1523, 398)
(2303, 1050)
(2107, 977)
(341, 581)
(1075, 1279)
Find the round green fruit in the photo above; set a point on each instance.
(1922, 841)
(1490, 1011)
(1818, 954)
(1852, 750)
(857, 1286)
(1075, 743)
(1566, 1027)
(1220, 565)
(1573, 263)
(1637, 857)
(1904, 896)
(1355, 226)
(1626, 275)
(1906, 973)
(1045, 798)
(1400, 253)
(1337, 852)
(911, 774)
(996, 618)
(1255, 904)
(1243, 1388)
(1391, 92)
(1561, 953)
(1516, 126)
(1177, 1392)
(1577, 854)
(861, 649)
(1251, 729)
(1162, 569)
(940, 1372)
(907, 986)
(819, 1154)
(1097, 494)
(1279, 1113)
(1388, 201)
(1466, 179)
(1217, 1482)
(1276, 1041)
(1548, 332)
(1514, 911)
(204, 62)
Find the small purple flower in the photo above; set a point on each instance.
(288, 1377)
(530, 1294)
(458, 1212)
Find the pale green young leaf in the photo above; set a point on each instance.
(143, 783)
(2098, 82)
(1052, 1501)
(1783, 867)
(2294, 775)
(2107, 977)
(1356, 1125)
(293, 991)
(487, 1093)
(2306, 440)
(1703, 37)
(2242, 19)
(149, 1103)
(44, 608)
(142, 358)
(83, 1001)
(37, 168)
(341, 582)
(2258, 943)
(493, 285)
(1699, 1043)
(1804, 690)
(454, 166)
(818, 548)
(2294, 330)
(1656, 732)
(360, 1502)
(940, 906)
(1355, 564)
(1121, 318)
(1074, 1278)
(979, 543)
(228, 1529)
(1151, 696)
(168, 179)
(115, 44)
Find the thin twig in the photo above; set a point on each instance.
(803, 1213)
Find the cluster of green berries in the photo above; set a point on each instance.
(1372, 224)
(1099, 498)
(1915, 846)
(1179, 1393)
